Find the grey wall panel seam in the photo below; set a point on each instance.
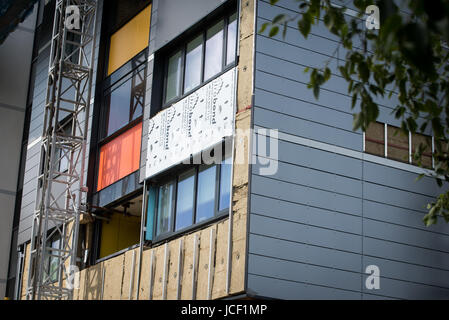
(11, 107)
(348, 152)
(305, 101)
(305, 243)
(322, 88)
(304, 263)
(361, 272)
(305, 204)
(310, 168)
(305, 224)
(307, 186)
(409, 227)
(340, 175)
(8, 192)
(405, 262)
(408, 245)
(308, 120)
(305, 66)
(396, 206)
(306, 283)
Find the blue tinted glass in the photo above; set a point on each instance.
(206, 193)
(193, 63)
(164, 208)
(225, 184)
(118, 101)
(173, 77)
(214, 51)
(184, 200)
(232, 34)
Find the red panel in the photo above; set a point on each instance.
(119, 157)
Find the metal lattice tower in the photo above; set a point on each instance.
(61, 195)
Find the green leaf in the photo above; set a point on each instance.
(363, 71)
(263, 27)
(274, 31)
(316, 91)
(304, 25)
(328, 21)
(327, 74)
(278, 18)
(353, 100)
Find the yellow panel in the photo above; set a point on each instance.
(129, 40)
(119, 233)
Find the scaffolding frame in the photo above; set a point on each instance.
(61, 190)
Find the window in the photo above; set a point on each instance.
(214, 50)
(375, 139)
(119, 227)
(121, 130)
(125, 101)
(64, 154)
(399, 146)
(423, 143)
(173, 76)
(54, 242)
(164, 207)
(129, 40)
(205, 197)
(185, 200)
(195, 196)
(201, 58)
(193, 63)
(119, 157)
(232, 39)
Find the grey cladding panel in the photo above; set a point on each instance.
(305, 253)
(301, 233)
(316, 179)
(322, 218)
(405, 253)
(305, 195)
(408, 290)
(286, 289)
(307, 129)
(175, 16)
(305, 273)
(396, 197)
(318, 159)
(406, 235)
(400, 216)
(409, 272)
(305, 214)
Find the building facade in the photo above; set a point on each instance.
(212, 171)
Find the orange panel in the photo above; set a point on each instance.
(129, 40)
(119, 157)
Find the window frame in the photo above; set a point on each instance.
(119, 76)
(225, 17)
(51, 239)
(116, 27)
(107, 89)
(174, 177)
(411, 150)
(94, 257)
